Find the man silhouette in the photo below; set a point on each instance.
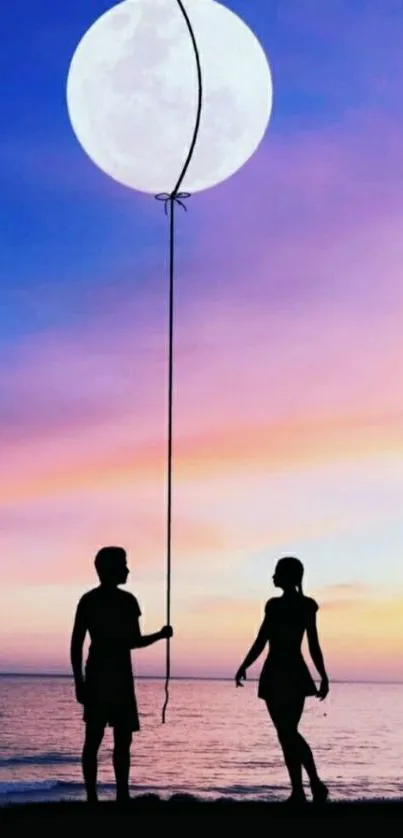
(106, 691)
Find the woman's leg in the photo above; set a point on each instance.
(319, 790)
(307, 760)
(285, 717)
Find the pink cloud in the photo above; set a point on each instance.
(288, 356)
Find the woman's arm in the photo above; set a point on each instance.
(254, 652)
(257, 648)
(315, 652)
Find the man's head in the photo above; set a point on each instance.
(111, 566)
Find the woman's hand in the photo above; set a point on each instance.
(80, 691)
(240, 676)
(323, 689)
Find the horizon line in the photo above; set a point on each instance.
(187, 678)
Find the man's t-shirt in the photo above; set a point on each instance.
(110, 616)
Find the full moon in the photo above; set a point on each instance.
(132, 94)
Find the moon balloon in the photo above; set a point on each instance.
(132, 94)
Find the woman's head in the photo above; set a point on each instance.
(288, 574)
(111, 565)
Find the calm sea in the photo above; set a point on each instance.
(217, 742)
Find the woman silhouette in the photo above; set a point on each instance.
(285, 680)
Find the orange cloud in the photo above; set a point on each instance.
(360, 636)
(251, 449)
(347, 592)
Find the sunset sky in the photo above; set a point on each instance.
(288, 410)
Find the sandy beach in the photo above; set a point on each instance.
(186, 811)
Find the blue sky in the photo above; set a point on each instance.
(290, 300)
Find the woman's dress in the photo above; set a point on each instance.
(285, 675)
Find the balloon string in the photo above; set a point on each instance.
(170, 199)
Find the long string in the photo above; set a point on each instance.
(175, 197)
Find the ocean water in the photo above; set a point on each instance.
(217, 742)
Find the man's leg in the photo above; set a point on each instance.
(121, 760)
(94, 734)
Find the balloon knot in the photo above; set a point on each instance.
(173, 198)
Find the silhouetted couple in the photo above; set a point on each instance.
(106, 689)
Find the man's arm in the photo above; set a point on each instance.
(139, 640)
(77, 643)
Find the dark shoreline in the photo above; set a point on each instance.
(182, 810)
(39, 675)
